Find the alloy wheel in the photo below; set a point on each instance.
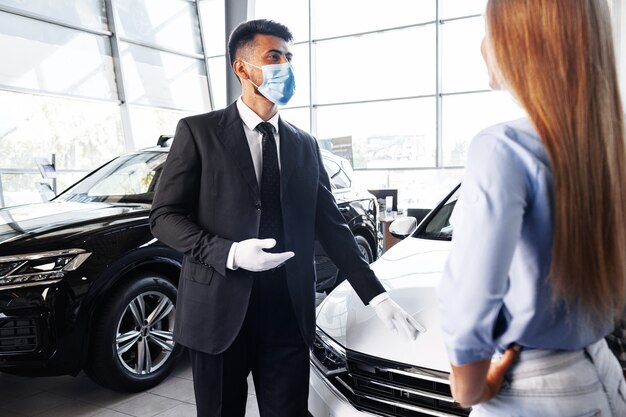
(145, 339)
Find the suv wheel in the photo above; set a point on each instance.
(132, 346)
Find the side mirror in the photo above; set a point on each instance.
(403, 227)
(419, 213)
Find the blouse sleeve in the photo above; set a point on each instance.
(487, 223)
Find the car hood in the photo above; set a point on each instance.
(410, 272)
(61, 219)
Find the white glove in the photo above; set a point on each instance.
(249, 254)
(398, 320)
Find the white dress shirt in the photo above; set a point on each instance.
(255, 142)
(255, 139)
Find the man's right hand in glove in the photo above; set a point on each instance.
(249, 255)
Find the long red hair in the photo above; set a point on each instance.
(557, 58)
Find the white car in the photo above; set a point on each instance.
(358, 367)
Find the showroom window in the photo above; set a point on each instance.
(161, 54)
(45, 49)
(82, 135)
(382, 134)
(86, 81)
(397, 87)
(163, 79)
(164, 23)
(149, 123)
(87, 13)
(399, 91)
(212, 22)
(376, 66)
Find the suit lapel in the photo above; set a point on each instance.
(234, 139)
(288, 152)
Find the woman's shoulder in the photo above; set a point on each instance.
(511, 131)
(517, 138)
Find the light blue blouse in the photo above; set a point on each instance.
(495, 288)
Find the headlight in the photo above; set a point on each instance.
(41, 266)
(328, 355)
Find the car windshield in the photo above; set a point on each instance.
(127, 179)
(439, 227)
(339, 179)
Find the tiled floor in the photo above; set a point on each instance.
(67, 396)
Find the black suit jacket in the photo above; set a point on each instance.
(208, 197)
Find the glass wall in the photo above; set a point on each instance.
(165, 23)
(90, 14)
(212, 21)
(89, 80)
(163, 79)
(399, 88)
(36, 57)
(148, 123)
(81, 134)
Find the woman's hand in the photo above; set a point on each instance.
(497, 370)
(478, 382)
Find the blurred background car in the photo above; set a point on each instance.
(360, 210)
(85, 285)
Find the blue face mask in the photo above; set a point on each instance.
(279, 82)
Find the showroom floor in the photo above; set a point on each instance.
(67, 396)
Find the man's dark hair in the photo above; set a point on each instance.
(245, 32)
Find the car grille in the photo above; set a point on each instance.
(18, 336)
(391, 389)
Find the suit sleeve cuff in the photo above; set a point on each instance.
(378, 299)
(230, 260)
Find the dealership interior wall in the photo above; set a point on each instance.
(398, 87)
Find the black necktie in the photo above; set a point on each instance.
(271, 225)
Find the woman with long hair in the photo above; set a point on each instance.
(537, 270)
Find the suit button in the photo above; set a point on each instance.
(257, 205)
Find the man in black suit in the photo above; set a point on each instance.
(243, 195)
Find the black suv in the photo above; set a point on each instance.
(85, 285)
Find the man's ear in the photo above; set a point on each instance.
(242, 71)
(239, 69)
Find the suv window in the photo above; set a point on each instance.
(339, 180)
(439, 227)
(131, 178)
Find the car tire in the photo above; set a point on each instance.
(364, 247)
(366, 251)
(132, 347)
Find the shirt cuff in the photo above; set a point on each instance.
(230, 260)
(378, 299)
(460, 357)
